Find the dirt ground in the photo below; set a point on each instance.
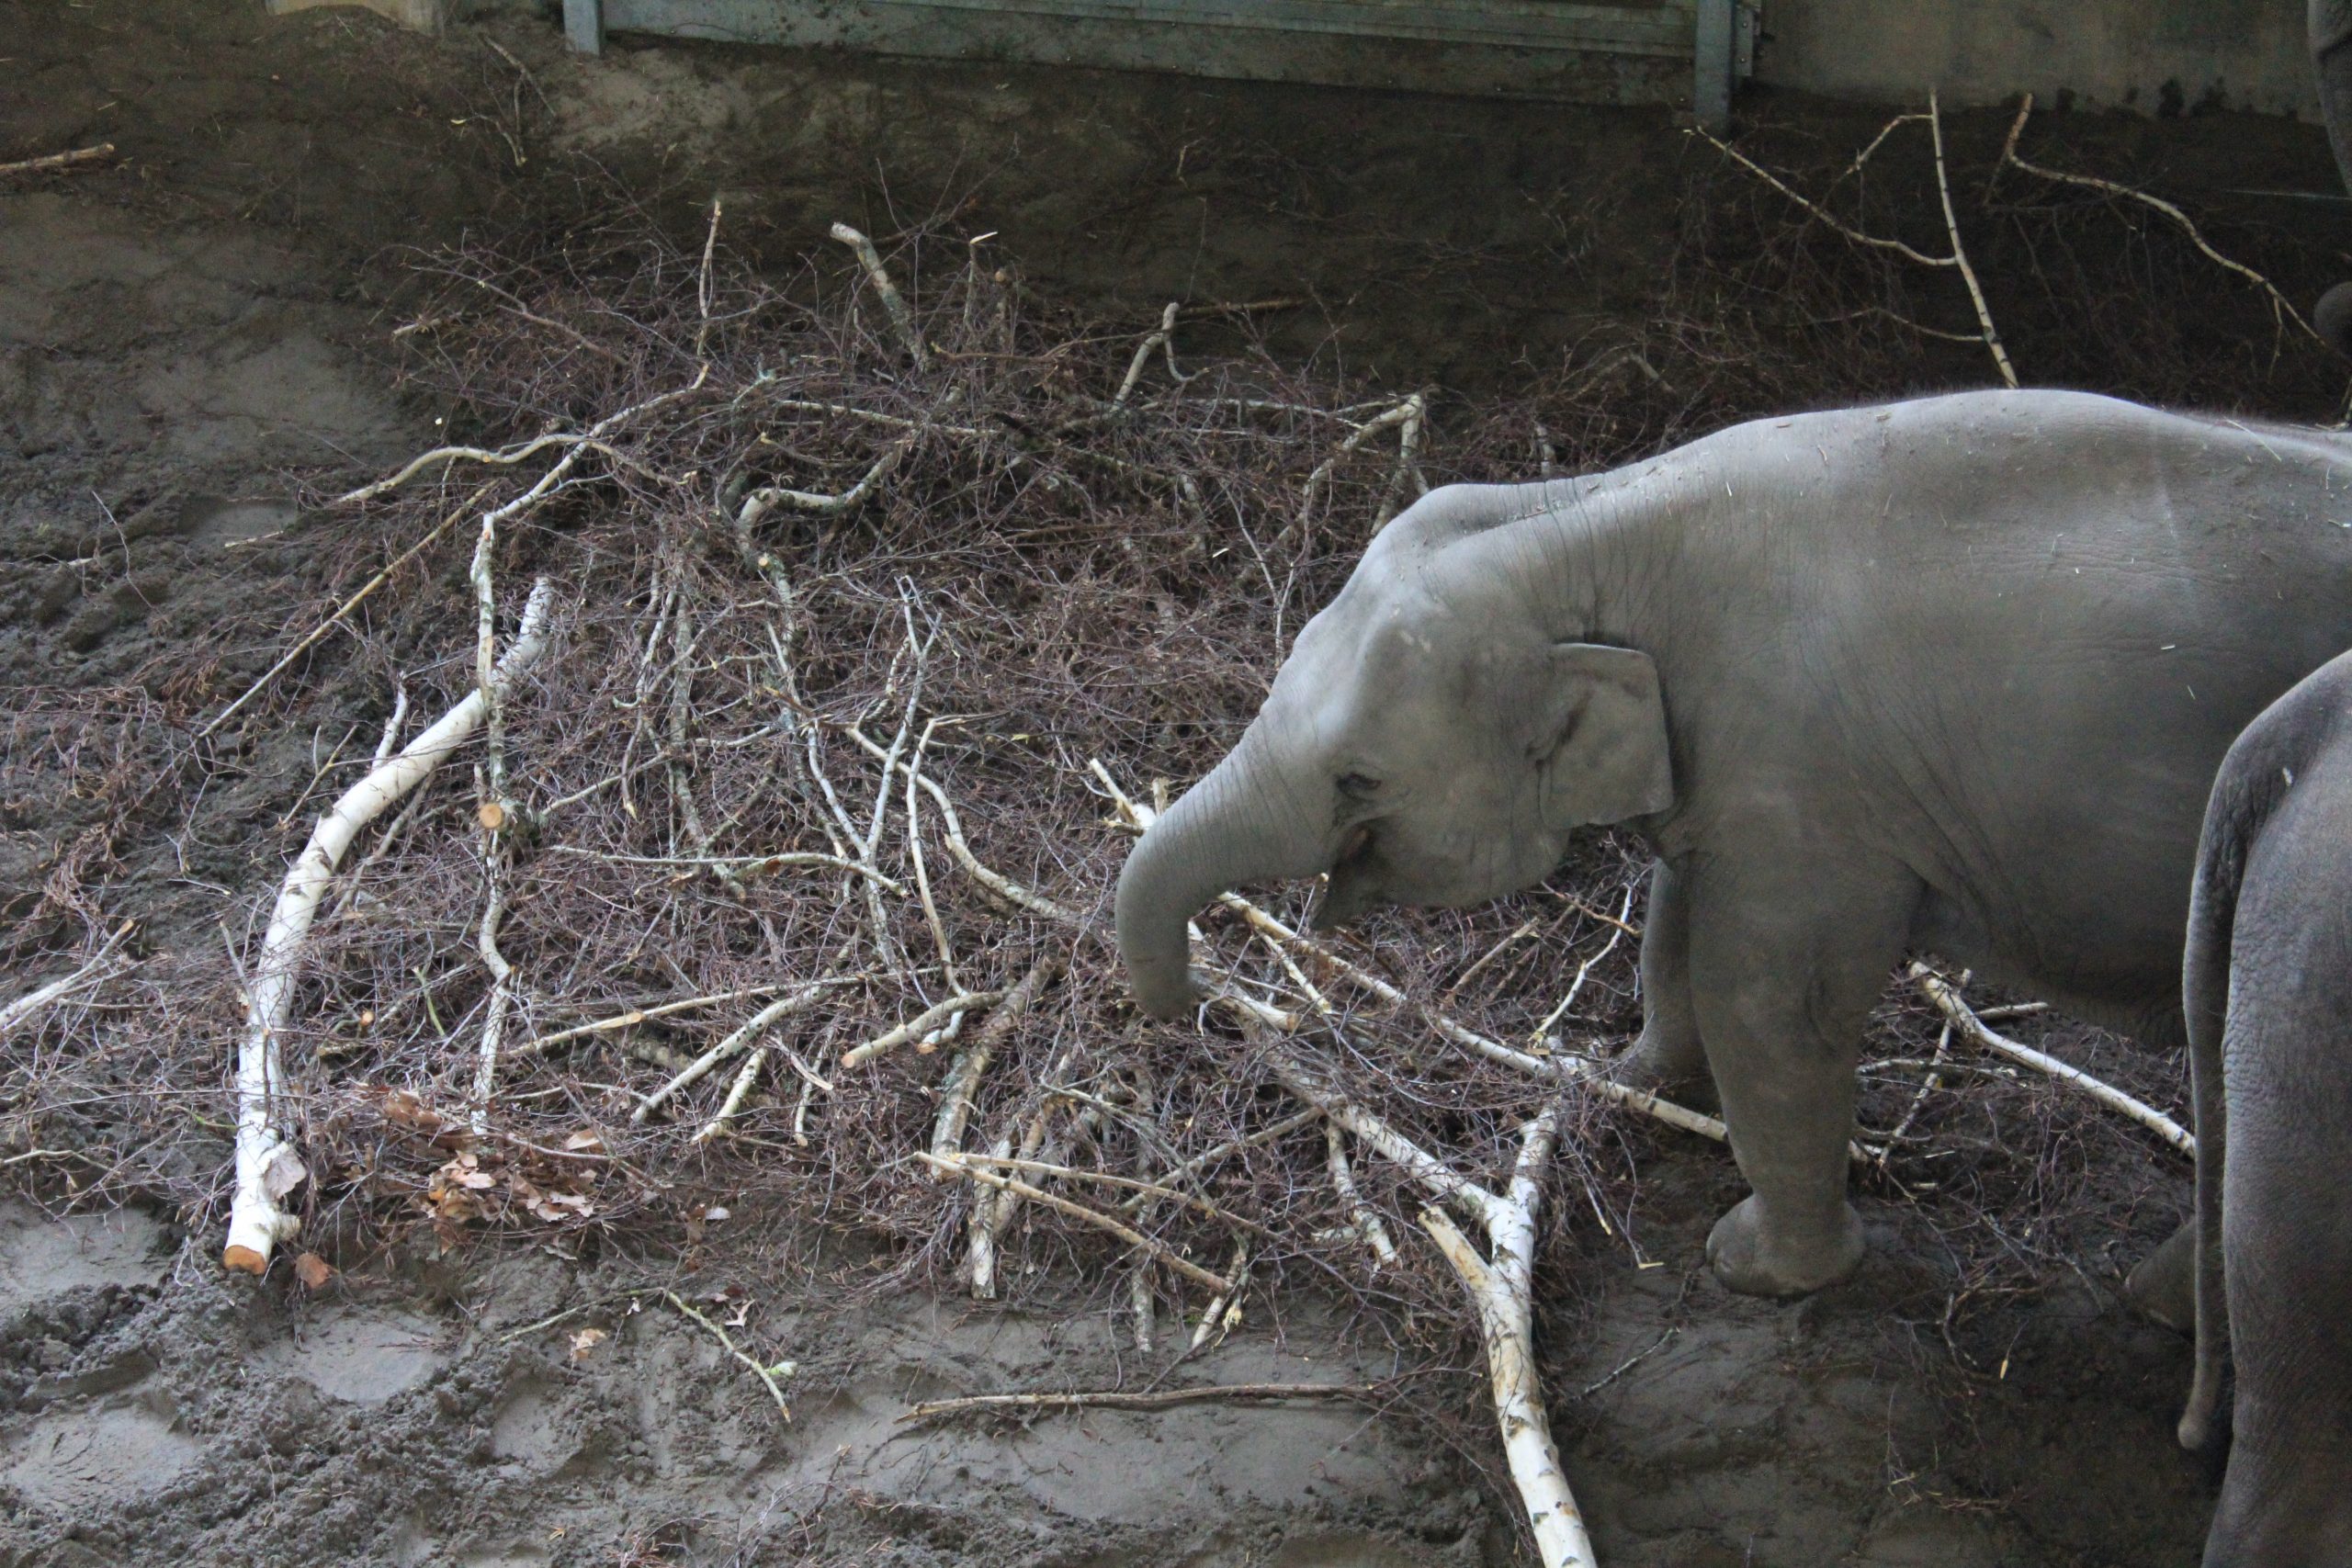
(192, 333)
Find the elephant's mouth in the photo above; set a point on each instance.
(1355, 885)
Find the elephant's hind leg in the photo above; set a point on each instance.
(1667, 1057)
(1788, 953)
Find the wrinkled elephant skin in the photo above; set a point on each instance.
(2268, 984)
(1953, 674)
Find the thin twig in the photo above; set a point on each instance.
(32, 1001)
(1947, 1002)
(758, 1023)
(1156, 1399)
(918, 1026)
(52, 162)
(1159, 1251)
(2280, 307)
(341, 611)
(893, 302)
(767, 1375)
(1960, 253)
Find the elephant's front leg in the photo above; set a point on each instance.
(1668, 1056)
(1788, 953)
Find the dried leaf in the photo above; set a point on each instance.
(587, 1339)
(312, 1270)
(284, 1173)
(585, 1141)
(405, 1110)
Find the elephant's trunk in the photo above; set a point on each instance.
(1242, 823)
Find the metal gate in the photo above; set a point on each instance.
(1610, 51)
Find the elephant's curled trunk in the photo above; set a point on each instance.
(1239, 824)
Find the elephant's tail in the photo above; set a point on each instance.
(2231, 819)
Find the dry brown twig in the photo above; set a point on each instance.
(972, 1169)
(971, 1062)
(893, 302)
(32, 1001)
(1152, 1399)
(1956, 259)
(771, 1377)
(1947, 999)
(59, 162)
(2280, 309)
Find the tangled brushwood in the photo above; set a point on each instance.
(749, 711)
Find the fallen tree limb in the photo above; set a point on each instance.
(1947, 1000)
(1156, 1399)
(1501, 1288)
(267, 1167)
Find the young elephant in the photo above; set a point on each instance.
(2268, 988)
(1952, 674)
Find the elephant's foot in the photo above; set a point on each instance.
(2164, 1287)
(1758, 1259)
(1673, 1064)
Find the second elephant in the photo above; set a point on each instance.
(2268, 987)
(1952, 674)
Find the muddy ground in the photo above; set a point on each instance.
(191, 332)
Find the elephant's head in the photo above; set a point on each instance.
(1427, 741)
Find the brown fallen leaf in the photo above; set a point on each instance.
(313, 1270)
(406, 1110)
(587, 1339)
(585, 1141)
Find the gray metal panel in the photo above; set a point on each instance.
(1712, 65)
(584, 25)
(1638, 51)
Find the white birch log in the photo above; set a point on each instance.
(1502, 1290)
(267, 1167)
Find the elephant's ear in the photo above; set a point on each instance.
(1601, 739)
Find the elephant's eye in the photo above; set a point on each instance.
(1358, 786)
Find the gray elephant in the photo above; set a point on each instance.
(1950, 674)
(2268, 987)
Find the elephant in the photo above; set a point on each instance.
(1950, 674)
(2268, 986)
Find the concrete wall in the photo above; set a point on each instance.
(2247, 54)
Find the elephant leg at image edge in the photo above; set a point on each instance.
(1668, 1056)
(1788, 954)
(2330, 27)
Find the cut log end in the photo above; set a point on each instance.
(244, 1259)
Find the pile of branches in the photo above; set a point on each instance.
(769, 677)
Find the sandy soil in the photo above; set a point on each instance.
(185, 333)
